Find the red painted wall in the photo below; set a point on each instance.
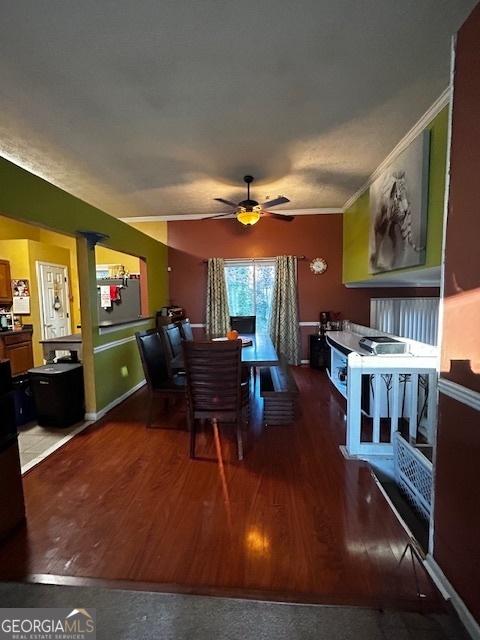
(457, 483)
(190, 242)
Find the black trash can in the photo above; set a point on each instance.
(23, 400)
(58, 394)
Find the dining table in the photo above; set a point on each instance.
(260, 353)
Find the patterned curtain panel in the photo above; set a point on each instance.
(218, 315)
(284, 329)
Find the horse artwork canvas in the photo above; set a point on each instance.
(398, 210)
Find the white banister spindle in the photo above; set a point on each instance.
(377, 379)
(432, 405)
(413, 409)
(354, 402)
(395, 404)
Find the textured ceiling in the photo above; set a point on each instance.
(156, 107)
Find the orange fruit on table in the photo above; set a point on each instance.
(232, 334)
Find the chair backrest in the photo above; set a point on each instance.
(185, 329)
(173, 339)
(243, 324)
(154, 360)
(213, 371)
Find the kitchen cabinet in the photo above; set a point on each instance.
(319, 351)
(12, 509)
(16, 346)
(5, 283)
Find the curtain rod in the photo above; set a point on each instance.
(254, 259)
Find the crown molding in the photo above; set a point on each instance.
(417, 128)
(200, 216)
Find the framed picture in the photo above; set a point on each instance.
(21, 297)
(398, 210)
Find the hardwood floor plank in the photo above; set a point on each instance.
(295, 519)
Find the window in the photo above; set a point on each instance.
(250, 288)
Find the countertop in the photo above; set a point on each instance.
(73, 337)
(350, 341)
(14, 333)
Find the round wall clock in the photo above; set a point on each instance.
(318, 266)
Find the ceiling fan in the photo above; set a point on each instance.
(249, 211)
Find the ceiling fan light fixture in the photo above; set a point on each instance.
(248, 212)
(248, 218)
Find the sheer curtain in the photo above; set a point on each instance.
(217, 315)
(284, 329)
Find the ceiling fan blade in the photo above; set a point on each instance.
(276, 202)
(229, 202)
(220, 215)
(279, 216)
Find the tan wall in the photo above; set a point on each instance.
(103, 255)
(157, 230)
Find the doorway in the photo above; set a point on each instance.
(53, 288)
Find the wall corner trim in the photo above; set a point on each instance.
(446, 588)
(99, 414)
(460, 393)
(417, 128)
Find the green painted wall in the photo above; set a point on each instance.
(27, 197)
(356, 219)
(121, 365)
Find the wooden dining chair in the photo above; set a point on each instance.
(214, 388)
(161, 383)
(173, 339)
(185, 328)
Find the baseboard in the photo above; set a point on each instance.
(449, 593)
(111, 405)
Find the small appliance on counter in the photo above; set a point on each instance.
(58, 394)
(324, 322)
(329, 321)
(381, 345)
(168, 315)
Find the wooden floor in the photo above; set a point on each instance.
(294, 520)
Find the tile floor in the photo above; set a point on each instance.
(36, 443)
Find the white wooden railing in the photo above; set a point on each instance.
(399, 388)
